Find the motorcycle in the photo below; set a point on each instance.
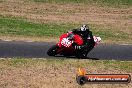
(66, 45)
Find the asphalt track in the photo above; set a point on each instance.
(39, 49)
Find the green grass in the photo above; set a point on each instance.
(99, 2)
(15, 26)
(57, 62)
(129, 17)
(122, 65)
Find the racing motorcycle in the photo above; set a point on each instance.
(66, 45)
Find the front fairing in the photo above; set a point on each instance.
(70, 49)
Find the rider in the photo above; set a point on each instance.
(87, 36)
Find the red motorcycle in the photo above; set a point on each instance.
(66, 45)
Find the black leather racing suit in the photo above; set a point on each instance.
(88, 40)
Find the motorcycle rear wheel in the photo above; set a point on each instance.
(80, 55)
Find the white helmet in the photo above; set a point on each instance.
(84, 28)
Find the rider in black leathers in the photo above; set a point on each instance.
(87, 36)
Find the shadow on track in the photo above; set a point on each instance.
(72, 57)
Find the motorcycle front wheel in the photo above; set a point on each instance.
(53, 50)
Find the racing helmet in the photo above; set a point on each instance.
(84, 28)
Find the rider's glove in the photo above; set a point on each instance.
(78, 47)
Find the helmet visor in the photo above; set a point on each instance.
(83, 29)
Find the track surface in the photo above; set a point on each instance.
(39, 49)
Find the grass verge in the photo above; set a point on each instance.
(19, 27)
(98, 2)
(58, 73)
(125, 66)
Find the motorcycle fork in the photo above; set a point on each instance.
(59, 50)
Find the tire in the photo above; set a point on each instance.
(52, 50)
(80, 55)
(81, 80)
